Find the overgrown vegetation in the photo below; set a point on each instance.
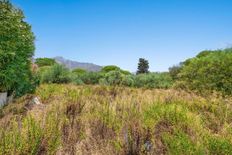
(111, 111)
(209, 71)
(110, 75)
(116, 120)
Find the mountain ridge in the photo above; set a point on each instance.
(71, 64)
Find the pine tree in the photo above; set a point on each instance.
(143, 66)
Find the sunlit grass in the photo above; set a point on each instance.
(116, 120)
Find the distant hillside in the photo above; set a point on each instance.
(74, 64)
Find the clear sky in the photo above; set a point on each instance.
(119, 32)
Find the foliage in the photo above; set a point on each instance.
(56, 74)
(175, 70)
(209, 71)
(110, 68)
(143, 66)
(125, 72)
(79, 71)
(116, 120)
(90, 77)
(153, 80)
(113, 78)
(16, 51)
(41, 62)
(128, 80)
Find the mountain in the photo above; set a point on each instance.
(74, 64)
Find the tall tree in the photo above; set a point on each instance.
(143, 66)
(45, 62)
(16, 50)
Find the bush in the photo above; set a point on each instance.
(153, 80)
(90, 77)
(175, 70)
(107, 69)
(79, 71)
(56, 74)
(114, 78)
(128, 81)
(208, 72)
(75, 78)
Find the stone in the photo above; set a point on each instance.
(3, 99)
(36, 101)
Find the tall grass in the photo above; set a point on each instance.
(116, 120)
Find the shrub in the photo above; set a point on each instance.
(90, 77)
(125, 72)
(56, 74)
(75, 78)
(209, 71)
(175, 70)
(218, 145)
(110, 68)
(128, 80)
(79, 71)
(114, 78)
(153, 80)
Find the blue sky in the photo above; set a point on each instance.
(119, 32)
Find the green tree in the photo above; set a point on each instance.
(113, 78)
(16, 50)
(41, 62)
(211, 71)
(79, 71)
(143, 66)
(56, 74)
(90, 77)
(110, 68)
(154, 80)
(175, 70)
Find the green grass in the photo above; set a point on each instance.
(116, 120)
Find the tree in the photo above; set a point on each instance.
(175, 70)
(109, 68)
(209, 71)
(143, 66)
(41, 62)
(16, 50)
(114, 78)
(79, 71)
(56, 74)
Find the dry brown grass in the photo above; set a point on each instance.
(117, 120)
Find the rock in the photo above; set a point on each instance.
(3, 99)
(36, 101)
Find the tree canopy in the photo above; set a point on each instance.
(143, 66)
(45, 62)
(109, 68)
(208, 71)
(16, 50)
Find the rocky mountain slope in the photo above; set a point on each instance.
(74, 64)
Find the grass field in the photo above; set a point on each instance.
(116, 120)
